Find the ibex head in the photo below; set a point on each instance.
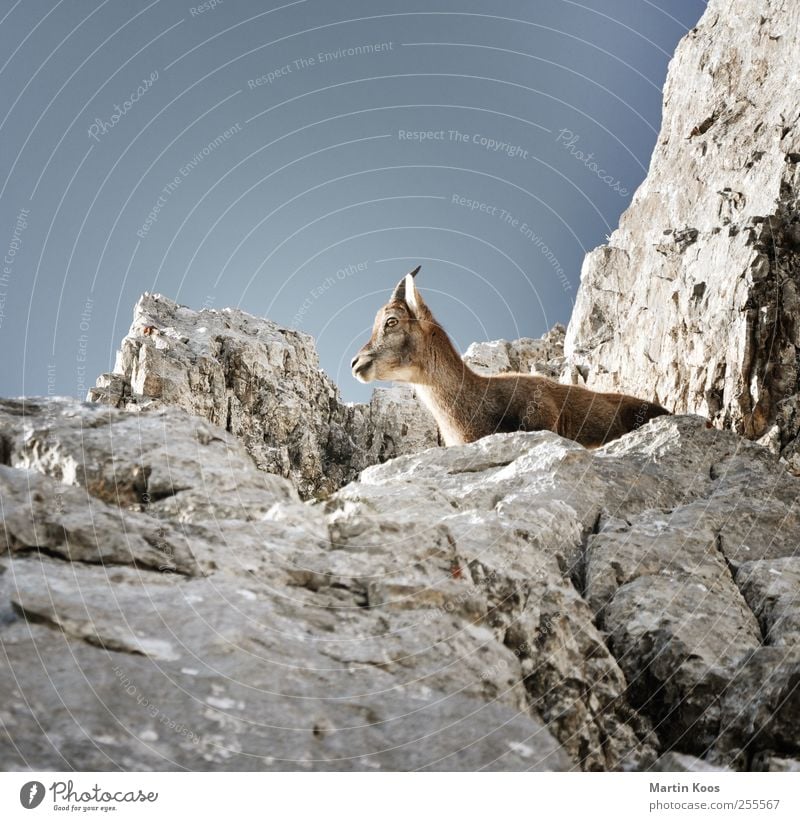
(396, 349)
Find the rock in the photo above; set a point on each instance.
(694, 302)
(40, 515)
(516, 603)
(543, 356)
(394, 423)
(222, 675)
(263, 384)
(513, 586)
(674, 514)
(760, 708)
(772, 590)
(676, 588)
(673, 762)
(679, 643)
(164, 460)
(767, 762)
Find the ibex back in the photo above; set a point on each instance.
(409, 345)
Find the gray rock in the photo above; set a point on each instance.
(674, 507)
(461, 556)
(679, 644)
(431, 615)
(760, 709)
(694, 301)
(767, 762)
(222, 675)
(772, 589)
(673, 762)
(163, 460)
(544, 356)
(394, 423)
(263, 384)
(676, 588)
(44, 516)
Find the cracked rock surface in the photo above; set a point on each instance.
(694, 300)
(263, 384)
(517, 603)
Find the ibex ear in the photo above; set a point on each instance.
(406, 291)
(399, 293)
(413, 299)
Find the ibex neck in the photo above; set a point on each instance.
(449, 389)
(443, 365)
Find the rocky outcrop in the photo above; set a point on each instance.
(517, 603)
(543, 356)
(695, 300)
(262, 383)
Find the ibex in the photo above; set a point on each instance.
(409, 345)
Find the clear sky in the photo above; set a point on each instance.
(294, 159)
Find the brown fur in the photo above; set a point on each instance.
(414, 348)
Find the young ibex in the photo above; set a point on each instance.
(409, 345)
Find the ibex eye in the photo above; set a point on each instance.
(390, 322)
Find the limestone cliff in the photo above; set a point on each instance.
(695, 300)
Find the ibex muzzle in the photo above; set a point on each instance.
(409, 345)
